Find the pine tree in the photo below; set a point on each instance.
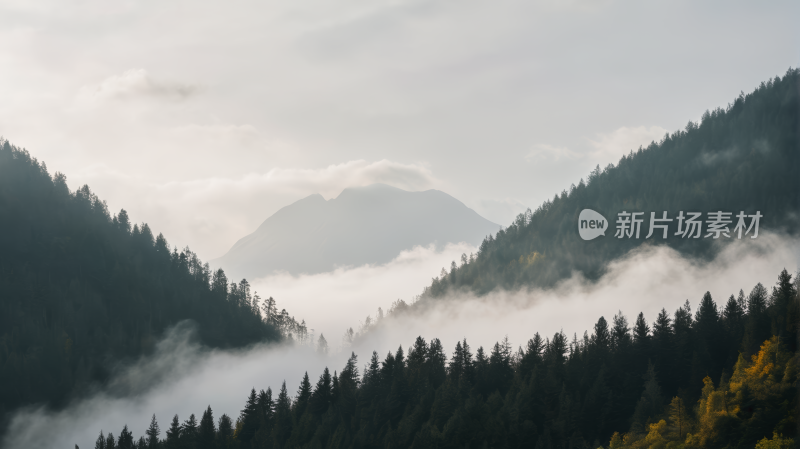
(757, 328)
(189, 432)
(663, 347)
(152, 433)
(303, 396)
(417, 369)
(399, 392)
(225, 432)
(125, 439)
(436, 360)
(206, 433)
(782, 296)
(620, 333)
(533, 355)
(322, 395)
(649, 405)
(456, 366)
(101, 442)
(123, 222)
(110, 442)
(322, 345)
(249, 418)
(266, 405)
(174, 433)
(283, 418)
(641, 332)
(347, 390)
(469, 365)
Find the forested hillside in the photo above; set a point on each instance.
(724, 376)
(745, 157)
(80, 288)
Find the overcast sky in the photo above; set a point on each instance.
(204, 118)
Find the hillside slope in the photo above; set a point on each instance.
(742, 158)
(80, 289)
(371, 224)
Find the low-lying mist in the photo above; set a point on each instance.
(646, 280)
(182, 377)
(332, 302)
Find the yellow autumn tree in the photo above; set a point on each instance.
(768, 375)
(777, 442)
(678, 417)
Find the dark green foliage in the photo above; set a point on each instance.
(80, 288)
(206, 434)
(101, 442)
(551, 394)
(110, 442)
(225, 432)
(743, 158)
(249, 418)
(126, 438)
(152, 434)
(189, 432)
(173, 434)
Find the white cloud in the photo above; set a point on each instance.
(211, 214)
(607, 146)
(647, 280)
(618, 143)
(543, 151)
(331, 180)
(216, 134)
(500, 210)
(332, 302)
(133, 83)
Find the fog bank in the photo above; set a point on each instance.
(183, 377)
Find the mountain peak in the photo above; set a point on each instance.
(363, 225)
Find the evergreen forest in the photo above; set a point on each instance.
(745, 157)
(724, 376)
(82, 290)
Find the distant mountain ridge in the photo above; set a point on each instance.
(371, 224)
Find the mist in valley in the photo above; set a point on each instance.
(183, 377)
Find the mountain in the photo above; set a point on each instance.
(363, 225)
(745, 157)
(81, 289)
(721, 373)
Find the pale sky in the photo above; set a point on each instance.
(204, 118)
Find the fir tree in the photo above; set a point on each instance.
(101, 442)
(125, 439)
(152, 433)
(322, 395)
(303, 396)
(206, 433)
(283, 418)
(225, 432)
(189, 432)
(249, 417)
(174, 434)
(110, 442)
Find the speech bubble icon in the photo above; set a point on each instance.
(591, 224)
